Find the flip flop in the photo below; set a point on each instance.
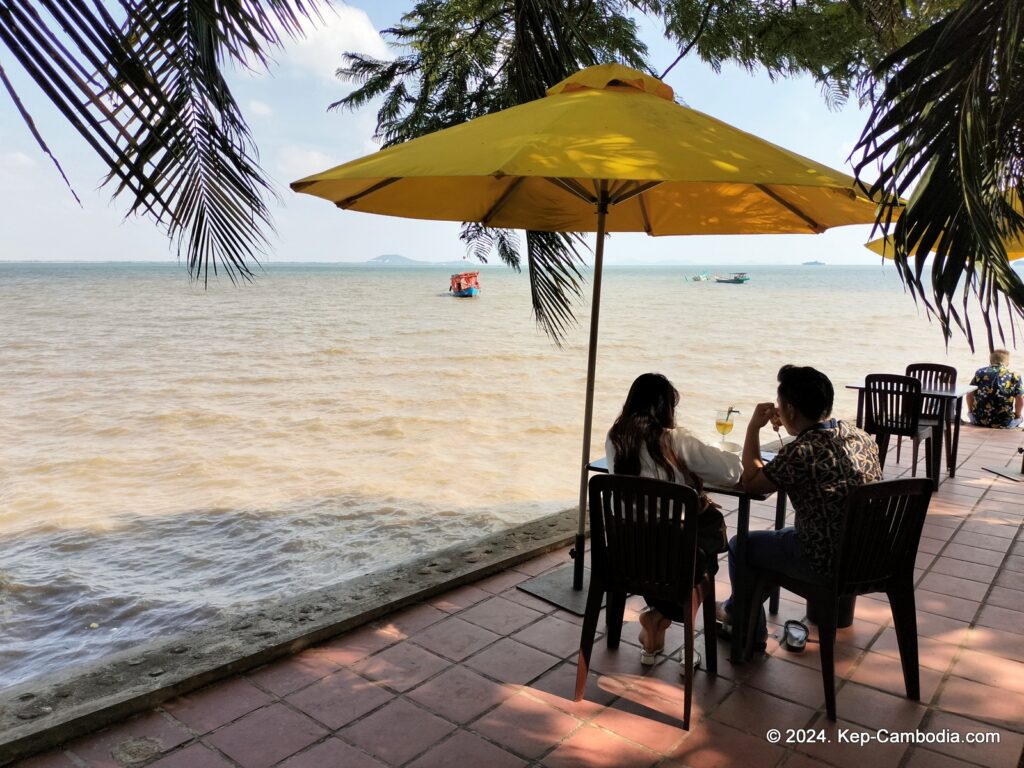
(794, 637)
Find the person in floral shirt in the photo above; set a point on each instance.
(1000, 396)
(816, 470)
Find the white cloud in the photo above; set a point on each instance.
(344, 28)
(16, 160)
(295, 162)
(260, 108)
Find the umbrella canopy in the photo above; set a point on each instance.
(606, 150)
(670, 170)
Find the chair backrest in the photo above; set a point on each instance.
(643, 535)
(880, 533)
(932, 376)
(892, 404)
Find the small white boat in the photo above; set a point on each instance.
(735, 277)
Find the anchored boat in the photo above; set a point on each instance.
(735, 277)
(465, 284)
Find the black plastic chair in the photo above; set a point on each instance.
(934, 376)
(876, 551)
(643, 536)
(892, 406)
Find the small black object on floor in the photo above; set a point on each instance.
(555, 587)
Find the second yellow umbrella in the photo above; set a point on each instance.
(884, 246)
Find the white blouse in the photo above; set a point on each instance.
(713, 466)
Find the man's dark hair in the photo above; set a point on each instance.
(806, 389)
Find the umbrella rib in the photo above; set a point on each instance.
(348, 202)
(616, 188)
(643, 214)
(639, 189)
(815, 226)
(573, 187)
(486, 220)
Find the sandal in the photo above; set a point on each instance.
(794, 636)
(653, 627)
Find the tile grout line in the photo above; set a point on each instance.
(334, 733)
(932, 706)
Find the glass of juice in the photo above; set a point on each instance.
(724, 423)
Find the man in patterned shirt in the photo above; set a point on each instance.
(999, 400)
(816, 470)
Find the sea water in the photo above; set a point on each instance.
(168, 452)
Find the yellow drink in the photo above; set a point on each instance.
(724, 426)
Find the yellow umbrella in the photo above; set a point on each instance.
(884, 246)
(606, 150)
(667, 169)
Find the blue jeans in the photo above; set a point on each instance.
(775, 550)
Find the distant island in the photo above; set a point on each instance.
(814, 263)
(394, 260)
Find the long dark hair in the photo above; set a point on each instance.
(649, 410)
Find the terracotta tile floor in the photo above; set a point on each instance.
(483, 676)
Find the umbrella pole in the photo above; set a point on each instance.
(588, 412)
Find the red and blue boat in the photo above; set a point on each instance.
(465, 284)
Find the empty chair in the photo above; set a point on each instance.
(875, 553)
(644, 541)
(892, 406)
(934, 376)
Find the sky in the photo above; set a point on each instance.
(287, 111)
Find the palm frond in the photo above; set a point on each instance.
(555, 279)
(947, 132)
(146, 92)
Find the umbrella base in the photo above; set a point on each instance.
(1009, 474)
(555, 587)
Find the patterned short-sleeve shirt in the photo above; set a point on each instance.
(998, 386)
(817, 471)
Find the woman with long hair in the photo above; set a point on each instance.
(645, 441)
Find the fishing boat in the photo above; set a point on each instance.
(465, 284)
(735, 277)
(700, 278)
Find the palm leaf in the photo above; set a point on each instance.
(146, 93)
(555, 261)
(947, 131)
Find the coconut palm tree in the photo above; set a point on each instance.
(947, 130)
(142, 83)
